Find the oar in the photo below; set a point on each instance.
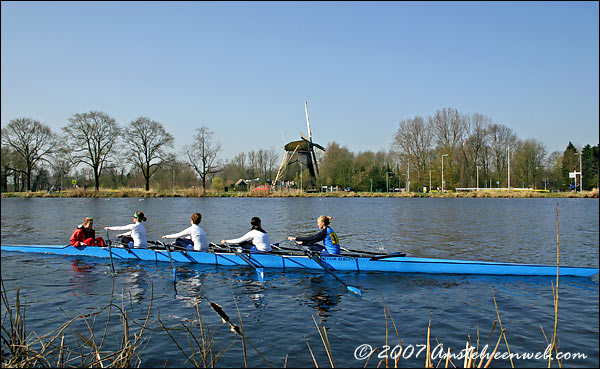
(361, 251)
(239, 252)
(112, 264)
(317, 259)
(170, 259)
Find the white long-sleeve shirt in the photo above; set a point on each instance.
(258, 239)
(137, 231)
(196, 233)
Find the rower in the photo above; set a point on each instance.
(193, 237)
(136, 235)
(326, 234)
(255, 240)
(85, 235)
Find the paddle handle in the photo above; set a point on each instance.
(112, 264)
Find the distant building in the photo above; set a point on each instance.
(241, 185)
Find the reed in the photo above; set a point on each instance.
(22, 349)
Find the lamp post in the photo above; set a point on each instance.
(430, 181)
(443, 171)
(580, 174)
(508, 162)
(387, 181)
(408, 177)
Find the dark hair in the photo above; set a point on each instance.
(196, 218)
(140, 216)
(255, 221)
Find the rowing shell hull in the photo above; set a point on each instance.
(388, 264)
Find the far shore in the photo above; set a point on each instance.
(136, 192)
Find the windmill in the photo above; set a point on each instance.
(301, 151)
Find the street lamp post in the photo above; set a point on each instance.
(580, 174)
(443, 171)
(387, 183)
(408, 177)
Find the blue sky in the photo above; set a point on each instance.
(244, 69)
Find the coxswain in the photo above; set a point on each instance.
(85, 235)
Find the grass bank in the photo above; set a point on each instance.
(136, 192)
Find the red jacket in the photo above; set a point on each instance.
(81, 235)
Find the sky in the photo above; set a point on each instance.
(245, 69)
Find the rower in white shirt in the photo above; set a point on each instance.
(193, 237)
(255, 240)
(136, 231)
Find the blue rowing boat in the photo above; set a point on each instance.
(285, 258)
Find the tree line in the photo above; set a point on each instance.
(473, 150)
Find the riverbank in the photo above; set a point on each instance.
(136, 192)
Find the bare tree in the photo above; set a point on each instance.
(61, 165)
(272, 162)
(252, 163)
(239, 163)
(475, 147)
(500, 138)
(31, 140)
(413, 142)
(449, 129)
(530, 157)
(202, 155)
(91, 138)
(147, 141)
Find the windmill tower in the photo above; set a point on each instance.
(301, 151)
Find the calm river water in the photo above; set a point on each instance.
(277, 315)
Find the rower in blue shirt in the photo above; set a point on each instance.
(327, 235)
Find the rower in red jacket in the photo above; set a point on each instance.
(85, 235)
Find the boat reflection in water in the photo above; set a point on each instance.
(82, 278)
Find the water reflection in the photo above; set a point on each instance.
(324, 296)
(82, 278)
(135, 281)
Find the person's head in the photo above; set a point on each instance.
(138, 216)
(196, 218)
(256, 224)
(88, 222)
(323, 221)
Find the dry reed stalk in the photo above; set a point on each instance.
(312, 355)
(397, 335)
(386, 331)
(23, 354)
(323, 334)
(428, 363)
(555, 295)
(447, 358)
(502, 328)
(487, 364)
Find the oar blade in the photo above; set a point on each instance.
(354, 290)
